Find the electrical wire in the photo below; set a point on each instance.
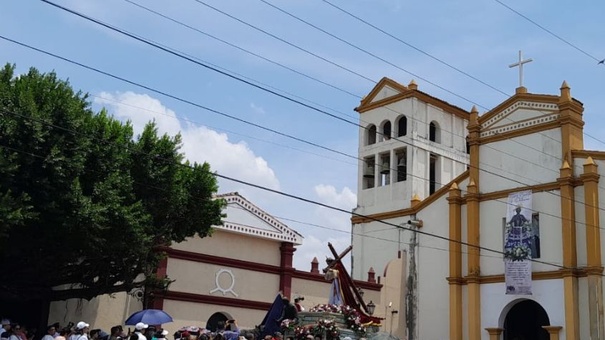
(224, 114)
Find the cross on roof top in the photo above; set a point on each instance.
(520, 64)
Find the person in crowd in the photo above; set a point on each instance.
(95, 334)
(82, 329)
(230, 331)
(116, 333)
(161, 335)
(139, 330)
(57, 326)
(289, 311)
(6, 327)
(298, 304)
(50, 333)
(63, 334)
(18, 333)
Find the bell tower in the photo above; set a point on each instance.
(411, 144)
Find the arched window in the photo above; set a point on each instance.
(433, 174)
(371, 135)
(434, 132)
(386, 130)
(402, 126)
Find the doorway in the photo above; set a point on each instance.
(212, 323)
(524, 321)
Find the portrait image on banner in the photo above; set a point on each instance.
(518, 243)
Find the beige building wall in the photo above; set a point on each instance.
(233, 246)
(102, 312)
(209, 279)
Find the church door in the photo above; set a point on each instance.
(212, 322)
(524, 322)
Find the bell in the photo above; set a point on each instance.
(385, 168)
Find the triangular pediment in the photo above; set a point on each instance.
(518, 114)
(384, 89)
(243, 217)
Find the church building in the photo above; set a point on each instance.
(499, 214)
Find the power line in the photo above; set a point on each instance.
(414, 47)
(236, 118)
(309, 201)
(200, 63)
(370, 53)
(232, 117)
(284, 41)
(241, 48)
(219, 129)
(348, 43)
(547, 31)
(239, 78)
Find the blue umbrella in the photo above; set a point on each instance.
(150, 317)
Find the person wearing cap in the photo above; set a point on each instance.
(162, 335)
(82, 329)
(139, 329)
(6, 327)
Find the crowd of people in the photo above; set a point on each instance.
(82, 331)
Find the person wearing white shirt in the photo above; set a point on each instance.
(6, 326)
(139, 328)
(50, 333)
(82, 329)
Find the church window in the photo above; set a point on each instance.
(434, 132)
(371, 135)
(386, 130)
(369, 165)
(402, 126)
(402, 165)
(385, 169)
(433, 174)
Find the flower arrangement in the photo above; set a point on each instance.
(288, 325)
(323, 326)
(351, 316)
(326, 308)
(353, 320)
(518, 253)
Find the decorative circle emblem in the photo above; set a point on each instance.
(219, 287)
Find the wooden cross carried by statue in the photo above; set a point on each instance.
(350, 292)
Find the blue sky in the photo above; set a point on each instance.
(479, 37)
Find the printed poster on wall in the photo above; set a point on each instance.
(518, 238)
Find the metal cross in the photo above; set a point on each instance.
(520, 64)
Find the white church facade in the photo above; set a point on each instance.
(449, 210)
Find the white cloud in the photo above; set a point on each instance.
(346, 199)
(200, 144)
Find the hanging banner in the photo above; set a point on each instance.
(518, 238)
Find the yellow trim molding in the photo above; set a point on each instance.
(455, 254)
(367, 102)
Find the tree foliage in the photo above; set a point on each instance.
(85, 206)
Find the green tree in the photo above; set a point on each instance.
(85, 208)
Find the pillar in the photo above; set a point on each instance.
(553, 331)
(569, 251)
(455, 254)
(594, 268)
(570, 120)
(473, 239)
(494, 333)
(285, 268)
